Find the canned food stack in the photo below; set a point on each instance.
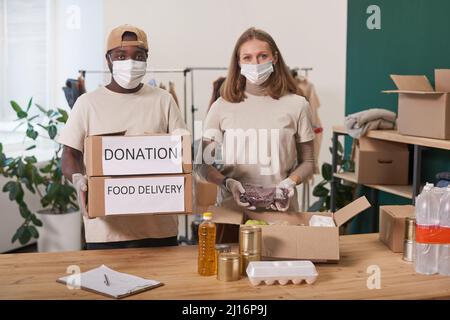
(249, 246)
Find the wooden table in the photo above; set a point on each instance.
(33, 275)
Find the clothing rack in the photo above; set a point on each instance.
(184, 72)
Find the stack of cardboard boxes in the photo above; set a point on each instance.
(146, 174)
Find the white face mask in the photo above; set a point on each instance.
(128, 73)
(257, 73)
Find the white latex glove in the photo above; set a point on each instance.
(79, 181)
(288, 184)
(236, 189)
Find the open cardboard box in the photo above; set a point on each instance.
(163, 194)
(295, 239)
(422, 110)
(116, 154)
(381, 162)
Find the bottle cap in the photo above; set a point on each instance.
(207, 215)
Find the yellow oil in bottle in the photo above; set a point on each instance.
(206, 246)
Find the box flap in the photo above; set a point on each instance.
(225, 215)
(412, 83)
(400, 211)
(349, 211)
(442, 79)
(370, 144)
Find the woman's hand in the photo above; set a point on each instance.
(281, 203)
(236, 189)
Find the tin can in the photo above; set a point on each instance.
(246, 259)
(228, 267)
(410, 238)
(221, 248)
(250, 239)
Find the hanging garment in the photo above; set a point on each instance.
(307, 90)
(359, 123)
(73, 90)
(173, 92)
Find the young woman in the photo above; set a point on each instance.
(263, 125)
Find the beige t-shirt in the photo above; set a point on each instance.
(104, 111)
(258, 138)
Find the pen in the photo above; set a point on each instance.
(106, 280)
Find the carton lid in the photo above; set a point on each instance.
(400, 211)
(349, 211)
(412, 84)
(370, 144)
(225, 215)
(442, 79)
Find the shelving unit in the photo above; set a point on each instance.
(408, 191)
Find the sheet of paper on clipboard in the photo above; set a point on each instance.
(111, 283)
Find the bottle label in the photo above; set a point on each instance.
(432, 234)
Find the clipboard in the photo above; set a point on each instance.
(120, 285)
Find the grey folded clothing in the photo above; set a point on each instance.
(261, 197)
(359, 123)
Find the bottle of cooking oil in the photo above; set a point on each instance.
(206, 246)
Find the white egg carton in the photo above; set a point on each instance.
(269, 272)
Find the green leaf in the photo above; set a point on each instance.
(320, 191)
(30, 147)
(52, 130)
(22, 114)
(20, 168)
(31, 159)
(18, 234)
(36, 221)
(16, 106)
(24, 212)
(8, 186)
(31, 133)
(32, 118)
(327, 171)
(33, 231)
(64, 116)
(25, 236)
(1, 147)
(20, 194)
(30, 102)
(40, 108)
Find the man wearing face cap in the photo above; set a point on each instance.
(125, 104)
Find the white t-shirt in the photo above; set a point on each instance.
(265, 132)
(103, 111)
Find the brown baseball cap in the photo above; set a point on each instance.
(115, 37)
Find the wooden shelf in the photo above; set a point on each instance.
(402, 191)
(393, 135)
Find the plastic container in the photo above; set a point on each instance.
(206, 246)
(427, 215)
(444, 221)
(270, 272)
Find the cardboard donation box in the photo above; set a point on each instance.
(422, 110)
(381, 162)
(117, 155)
(289, 234)
(392, 225)
(163, 194)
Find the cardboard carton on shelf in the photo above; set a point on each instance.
(381, 162)
(422, 110)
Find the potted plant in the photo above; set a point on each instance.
(58, 225)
